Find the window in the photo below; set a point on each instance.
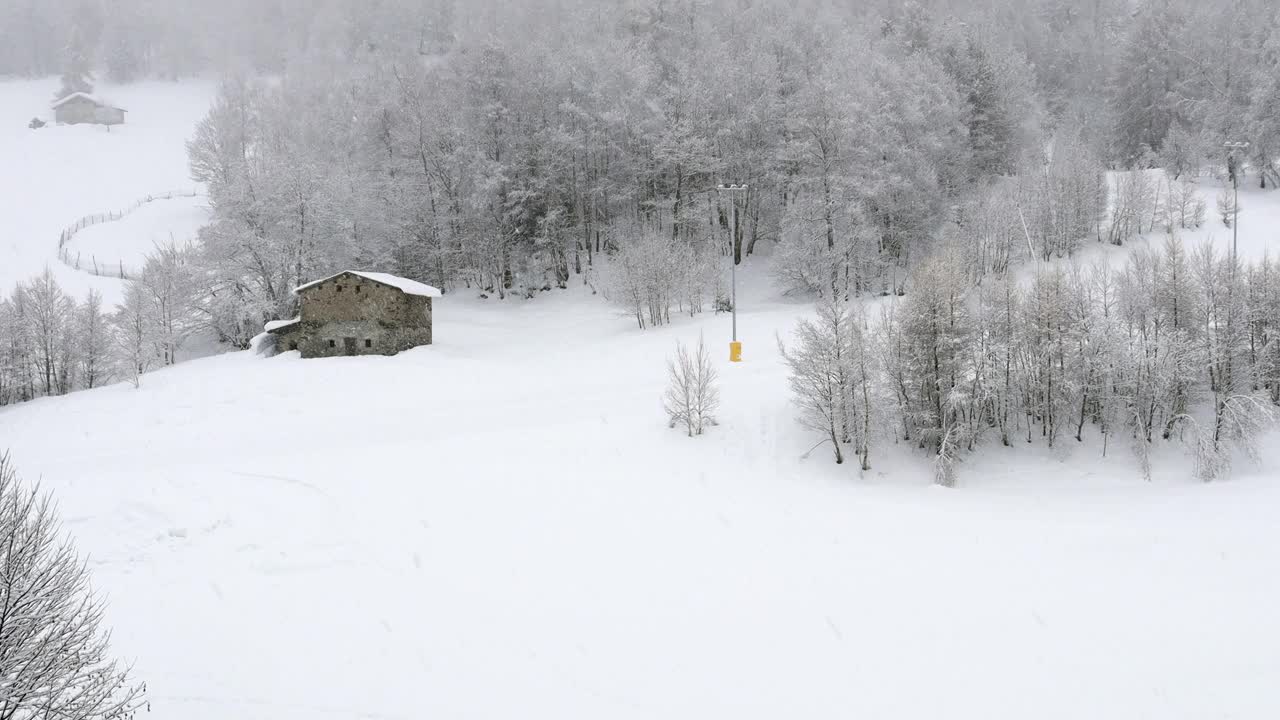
(357, 289)
(368, 343)
(333, 343)
(339, 288)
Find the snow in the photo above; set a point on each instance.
(129, 240)
(57, 174)
(77, 95)
(409, 287)
(502, 525)
(277, 324)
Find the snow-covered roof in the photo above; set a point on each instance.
(277, 324)
(78, 95)
(405, 285)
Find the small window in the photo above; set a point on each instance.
(368, 343)
(339, 288)
(357, 289)
(333, 343)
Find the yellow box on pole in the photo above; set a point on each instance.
(735, 352)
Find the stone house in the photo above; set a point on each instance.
(357, 313)
(78, 108)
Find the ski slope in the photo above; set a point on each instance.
(502, 525)
(55, 175)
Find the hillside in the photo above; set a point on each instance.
(501, 525)
(58, 174)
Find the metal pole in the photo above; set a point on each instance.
(1235, 222)
(735, 347)
(1232, 147)
(733, 264)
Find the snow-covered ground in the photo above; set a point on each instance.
(501, 525)
(53, 176)
(1259, 222)
(130, 239)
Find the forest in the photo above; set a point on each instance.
(948, 153)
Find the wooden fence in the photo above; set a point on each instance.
(92, 265)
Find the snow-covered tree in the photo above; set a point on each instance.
(93, 336)
(692, 395)
(132, 333)
(77, 69)
(821, 366)
(169, 284)
(52, 637)
(1228, 206)
(50, 316)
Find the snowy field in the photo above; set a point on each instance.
(501, 525)
(1259, 220)
(130, 239)
(53, 176)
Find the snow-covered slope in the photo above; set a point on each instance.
(55, 175)
(501, 525)
(1259, 222)
(127, 242)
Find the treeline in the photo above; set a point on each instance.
(128, 40)
(509, 155)
(510, 162)
(52, 344)
(1180, 345)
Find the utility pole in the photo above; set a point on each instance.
(735, 347)
(1232, 147)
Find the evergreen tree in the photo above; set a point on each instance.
(77, 68)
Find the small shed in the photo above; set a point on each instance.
(81, 108)
(357, 313)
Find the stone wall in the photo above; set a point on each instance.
(349, 315)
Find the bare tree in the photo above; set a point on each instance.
(52, 647)
(94, 334)
(131, 333)
(1228, 208)
(820, 368)
(692, 396)
(1184, 210)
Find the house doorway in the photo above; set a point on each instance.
(349, 346)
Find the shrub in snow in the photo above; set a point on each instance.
(1184, 208)
(1242, 420)
(52, 649)
(692, 396)
(1182, 152)
(654, 272)
(1134, 201)
(1228, 209)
